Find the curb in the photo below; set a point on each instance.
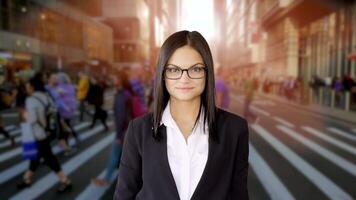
(353, 121)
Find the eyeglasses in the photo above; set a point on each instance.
(174, 72)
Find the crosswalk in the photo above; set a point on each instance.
(267, 177)
(13, 171)
(331, 140)
(21, 167)
(94, 192)
(282, 155)
(50, 180)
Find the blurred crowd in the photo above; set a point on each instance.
(48, 103)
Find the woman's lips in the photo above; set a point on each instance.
(184, 88)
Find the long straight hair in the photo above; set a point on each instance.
(195, 40)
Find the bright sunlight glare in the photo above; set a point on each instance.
(197, 15)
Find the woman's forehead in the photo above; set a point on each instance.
(185, 57)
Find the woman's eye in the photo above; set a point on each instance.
(197, 69)
(173, 70)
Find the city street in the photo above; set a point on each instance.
(294, 154)
(299, 154)
(292, 62)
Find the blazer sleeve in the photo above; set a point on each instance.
(239, 182)
(129, 178)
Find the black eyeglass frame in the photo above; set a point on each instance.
(202, 66)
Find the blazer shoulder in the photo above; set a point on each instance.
(225, 116)
(143, 125)
(144, 120)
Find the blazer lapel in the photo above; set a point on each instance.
(163, 162)
(205, 182)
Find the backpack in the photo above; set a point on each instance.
(137, 107)
(51, 117)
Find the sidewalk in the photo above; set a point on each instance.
(347, 116)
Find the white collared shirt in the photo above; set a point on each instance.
(187, 160)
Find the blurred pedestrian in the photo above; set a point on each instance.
(137, 85)
(122, 116)
(96, 98)
(36, 115)
(82, 92)
(62, 133)
(348, 82)
(222, 92)
(21, 95)
(5, 133)
(249, 89)
(8, 94)
(66, 91)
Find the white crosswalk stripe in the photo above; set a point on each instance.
(327, 186)
(9, 127)
(49, 180)
(267, 177)
(264, 103)
(260, 111)
(284, 122)
(10, 115)
(331, 140)
(12, 132)
(342, 133)
(95, 192)
(327, 154)
(8, 142)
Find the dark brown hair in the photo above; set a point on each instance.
(196, 41)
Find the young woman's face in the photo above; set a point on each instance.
(185, 88)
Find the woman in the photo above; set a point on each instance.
(188, 148)
(35, 114)
(122, 115)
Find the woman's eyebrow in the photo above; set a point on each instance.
(199, 63)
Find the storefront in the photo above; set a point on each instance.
(327, 50)
(14, 62)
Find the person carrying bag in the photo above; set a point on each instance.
(35, 122)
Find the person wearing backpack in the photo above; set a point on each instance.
(35, 113)
(122, 115)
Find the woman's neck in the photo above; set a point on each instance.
(185, 110)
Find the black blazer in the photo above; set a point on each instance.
(145, 174)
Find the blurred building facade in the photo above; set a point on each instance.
(280, 39)
(239, 44)
(308, 39)
(165, 20)
(139, 27)
(129, 21)
(38, 34)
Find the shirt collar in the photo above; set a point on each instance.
(168, 120)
